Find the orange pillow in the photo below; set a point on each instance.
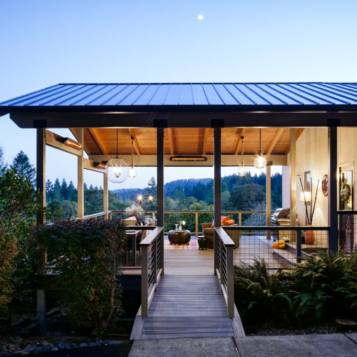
(228, 223)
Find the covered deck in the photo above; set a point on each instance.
(177, 124)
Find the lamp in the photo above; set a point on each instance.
(260, 162)
(117, 168)
(140, 198)
(151, 198)
(305, 196)
(242, 171)
(132, 172)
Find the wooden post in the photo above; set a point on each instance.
(230, 282)
(268, 199)
(332, 196)
(160, 176)
(217, 187)
(196, 219)
(80, 176)
(42, 255)
(293, 177)
(144, 281)
(240, 219)
(105, 195)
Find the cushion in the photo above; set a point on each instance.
(208, 231)
(130, 221)
(228, 223)
(223, 219)
(133, 216)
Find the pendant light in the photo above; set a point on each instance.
(132, 172)
(260, 162)
(242, 171)
(117, 168)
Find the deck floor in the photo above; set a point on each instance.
(188, 301)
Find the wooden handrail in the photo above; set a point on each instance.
(278, 228)
(225, 238)
(152, 236)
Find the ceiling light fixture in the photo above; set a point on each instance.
(117, 168)
(242, 171)
(260, 162)
(72, 144)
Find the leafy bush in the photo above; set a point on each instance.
(19, 205)
(86, 260)
(350, 280)
(258, 293)
(315, 284)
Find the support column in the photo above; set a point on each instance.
(105, 195)
(332, 197)
(42, 255)
(217, 177)
(160, 176)
(80, 176)
(293, 177)
(268, 199)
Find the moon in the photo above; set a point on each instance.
(200, 17)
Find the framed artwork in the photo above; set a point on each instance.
(324, 185)
(346, 189)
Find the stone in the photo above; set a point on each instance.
(46, 348)
(61, 346)
(98, 343)
(116, 342)
(73, 345)
(54, 349)
(107, 342)
(83, 344)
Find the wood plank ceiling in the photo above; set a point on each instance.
(178, 141)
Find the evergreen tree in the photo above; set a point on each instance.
(64, 190)
(22, 165)
(2, 164)
(72, 192)
(91, 187)
(49, 191)
(85, 187)
(57, 191)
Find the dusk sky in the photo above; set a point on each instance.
(45, 42)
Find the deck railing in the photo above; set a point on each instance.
(152, 266)
(224, 267)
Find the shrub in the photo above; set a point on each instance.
(350, 280)
(19, 205)
(315, 284)
(259, 293)
(86, 260)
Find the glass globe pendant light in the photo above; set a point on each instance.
(132, 172)
(260, 162)
(117, 168)
(242, 171)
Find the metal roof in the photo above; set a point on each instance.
(186, 94)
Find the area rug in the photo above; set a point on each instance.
(192, 245)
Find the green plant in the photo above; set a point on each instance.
(350, 279)
(260, 293)
(315, 284)
(19, 205)
(86, 262)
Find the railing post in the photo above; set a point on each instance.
(240, 219)
(111, 216)
(153, 218)
(196, 216)
(230, 282)
(162, 237)
(214, 251)
(144, 282)
(298, 246)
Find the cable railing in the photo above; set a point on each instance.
(152, 266)
(224, 266)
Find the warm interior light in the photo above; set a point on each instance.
(188, 158)
(183, 223)
(140, 198)
(260, 162)
(73, 144)
(307, 196)
(242, 171)
(151, 198)
(132, 172)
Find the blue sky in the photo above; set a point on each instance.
(44, 42)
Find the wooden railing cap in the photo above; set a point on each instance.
(152, 236)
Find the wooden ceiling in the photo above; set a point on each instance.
(193, 141)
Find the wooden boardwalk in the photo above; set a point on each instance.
(188, 301)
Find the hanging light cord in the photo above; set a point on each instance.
(132, 152)
(117, 142)
(242, 137)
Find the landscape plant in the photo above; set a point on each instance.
(86, 261)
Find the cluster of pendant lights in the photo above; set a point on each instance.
(260, 161)
(118, 169)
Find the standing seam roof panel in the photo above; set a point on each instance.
(147, 95)
(51, 100)
(225, 95)
(337, 93)
(134, 95)
(186, 96)
(199, 96)
(312, 89)
(212, 96)
(289, 97)
(160, 95)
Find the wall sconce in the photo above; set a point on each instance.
(151, 198)
(73, 144)
(141, 198)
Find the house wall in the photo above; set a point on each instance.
(312, 154)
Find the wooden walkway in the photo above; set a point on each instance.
(188, 301)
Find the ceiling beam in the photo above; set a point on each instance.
(94, 133)
(274, 141)
(136, 144)
(204, 149)
(171, 141)
(239, 142)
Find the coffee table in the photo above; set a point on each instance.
(179, 237)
